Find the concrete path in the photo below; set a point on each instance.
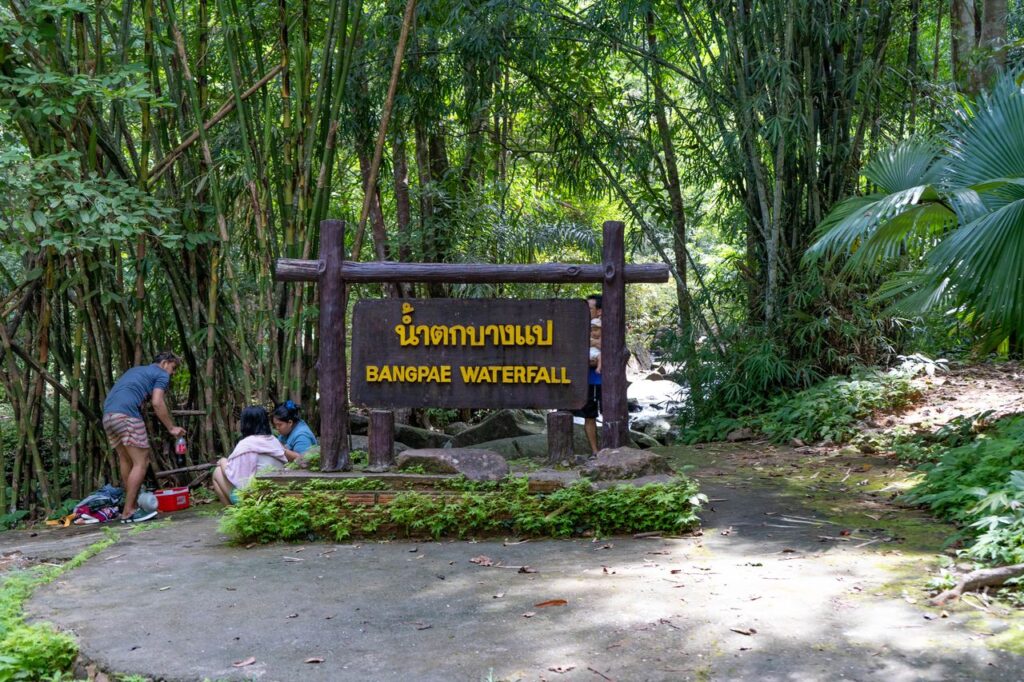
(760, 596)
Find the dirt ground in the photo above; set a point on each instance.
(806, 569)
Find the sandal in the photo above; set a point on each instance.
(139, 516)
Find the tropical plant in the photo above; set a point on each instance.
(951, 212)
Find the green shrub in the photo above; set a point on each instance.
(831, 409)
(268, 513)
(980, 486)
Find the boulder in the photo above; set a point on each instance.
(740, 435)
(455, 428)
(655, 376)
(501, 424)
(622, 463)
(546, 480)
(642, 440)
(656, 426)
(476, 464)
(358, 423)
(363, 443)
(637, 482)
(421, 438)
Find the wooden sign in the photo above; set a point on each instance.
(484, 353)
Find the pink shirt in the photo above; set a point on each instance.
(252, 454)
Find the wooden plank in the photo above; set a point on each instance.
(470, 353)
(331, 366)
(298, 270)
(382, 440)
(559, 437)
(614, 409)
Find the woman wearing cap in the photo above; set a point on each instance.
(294, 434)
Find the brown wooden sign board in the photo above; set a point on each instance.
(480, 353)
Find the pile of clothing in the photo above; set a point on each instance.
(99, 507)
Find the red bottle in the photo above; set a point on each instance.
(180, 447)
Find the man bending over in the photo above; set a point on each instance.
(126, 432)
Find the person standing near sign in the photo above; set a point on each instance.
(126, 432)
(592, 408)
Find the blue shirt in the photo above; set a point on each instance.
(300, 439)
(593, 377)
(134, 388)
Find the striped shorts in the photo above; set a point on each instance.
(124, 430)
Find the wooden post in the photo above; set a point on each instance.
(614, 409)
(331, 376)
(560, 437)
(382, 440)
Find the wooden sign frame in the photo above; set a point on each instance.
(333, 273)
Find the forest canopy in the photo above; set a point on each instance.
(156, 157)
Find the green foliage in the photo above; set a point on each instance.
(952, 214)
(827, 329)
(829, 410)
(35, 651)
(980, 486)
(267, 513)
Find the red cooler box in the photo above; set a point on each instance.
(173, 499)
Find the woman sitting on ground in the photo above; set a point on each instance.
(257, 450)
(295, 434)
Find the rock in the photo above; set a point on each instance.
(455, 428)
(655, 376)
(740, 435)
(501, 424)
(622, 463)
(476, 464)
(655, 426)
(358, 423)
(421, 438)
(639, 481)
(641, 440)
(796, 443)
(552, 479)
(363, 443)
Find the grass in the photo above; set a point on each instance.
(30, 651)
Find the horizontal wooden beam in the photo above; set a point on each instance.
(296, 270)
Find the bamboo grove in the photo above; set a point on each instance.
(156, 156)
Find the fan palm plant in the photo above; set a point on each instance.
(953, 211)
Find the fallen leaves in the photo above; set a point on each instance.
(243, 663)
(562, 669)
(526, 569)
(551, 602)
(529, 614)
(314, 659)
(482, 560)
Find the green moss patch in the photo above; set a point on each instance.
(327, 510)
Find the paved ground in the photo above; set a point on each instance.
(760, 596)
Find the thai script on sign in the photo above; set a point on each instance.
(471, 335)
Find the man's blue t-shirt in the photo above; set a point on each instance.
(300, 439)
(593, 377)
(134, 388)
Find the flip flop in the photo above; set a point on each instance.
(139, 516)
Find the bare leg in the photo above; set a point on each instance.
(222, 486)
(124, 463)
(139, 458)
(590, 428)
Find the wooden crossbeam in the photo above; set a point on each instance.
(297, 270)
